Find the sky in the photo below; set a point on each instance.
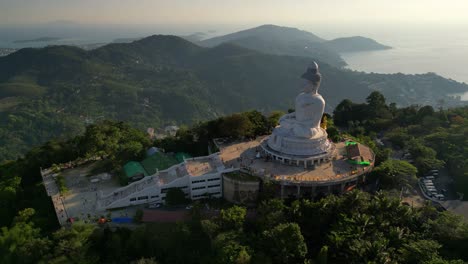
(235, 12)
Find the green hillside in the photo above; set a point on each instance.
(159, 80)
(353, 44)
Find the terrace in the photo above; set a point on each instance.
(246, 155)
(81, 199)
(204, 165)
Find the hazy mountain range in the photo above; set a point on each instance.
(291, 41)
(159, 80)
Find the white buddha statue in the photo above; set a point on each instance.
(305, 122)
(299, 133)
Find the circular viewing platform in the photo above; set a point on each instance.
(325, 170)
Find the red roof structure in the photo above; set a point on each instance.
(353, 151)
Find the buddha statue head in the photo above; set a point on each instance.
(313, 77)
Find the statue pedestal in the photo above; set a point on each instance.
(283, 142)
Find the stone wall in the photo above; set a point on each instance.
(240, 191)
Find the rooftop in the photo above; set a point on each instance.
(353, 149)
(240, 176)
(175, 173)
(200, 166)
(81, 199)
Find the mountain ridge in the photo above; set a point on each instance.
(280, 40)
(159, 80)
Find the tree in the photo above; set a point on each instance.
(395, 174)
(399, 137)
(237, 126)
(342, 113)
(273, 118)
(22, 242)
(285, 243)
(420, 251)
(376, 100)
(138, 216)
(425, 111)
(424, 157)
(232, 218)
(376, 106)
(229, 250)
(115, 140)
(322, 257)
(73, 244)
(333, 134)
(260, 124)
(175, 196)
(270, 213)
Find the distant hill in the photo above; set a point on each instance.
(195, 37)
(292, 41)
(280, 41)
(301, 48)
(353, 44)
(266, 31)
(55, 91)
(42, 39)
(125, 40)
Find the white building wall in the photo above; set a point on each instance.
(195, 187)
(182, 183)
(208, 184)
(147, 195)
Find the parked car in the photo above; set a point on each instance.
(156, 205)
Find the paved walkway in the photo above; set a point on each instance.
(53, 191)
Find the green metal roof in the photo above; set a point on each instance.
(158, 161)
(133, 168)
(181, 155)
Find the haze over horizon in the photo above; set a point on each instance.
(299, 12)
(425, 34)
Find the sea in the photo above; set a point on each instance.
(442, 49)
